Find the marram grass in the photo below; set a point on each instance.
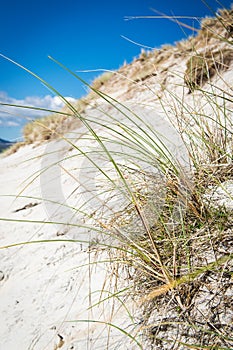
(165, 257)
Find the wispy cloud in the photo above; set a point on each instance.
(12, 123)
(14, 116)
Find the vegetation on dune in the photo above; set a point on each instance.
(202, 67)
(204, 60)
(173, 243)
(53, 126)
(101, 80)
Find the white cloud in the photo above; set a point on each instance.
(12, 123)
(12, 115)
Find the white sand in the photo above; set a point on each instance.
(43, 285)
(46, 285)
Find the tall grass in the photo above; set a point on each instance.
(146, 206)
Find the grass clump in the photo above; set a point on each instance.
(43, 129)
(54, 125)
(201, 67)
(13, 148)
(189, 311)
(219, 27)
(101, 80)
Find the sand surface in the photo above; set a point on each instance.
(47, 284)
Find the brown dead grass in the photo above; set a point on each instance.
(101, 80)
(13, 149)
(201, 67)
(55, 125)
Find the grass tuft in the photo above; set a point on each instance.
(204, 66)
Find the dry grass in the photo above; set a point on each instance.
(46, 128)
(55, 125)
(201, 67)
(14, 148)
(192, 308)
(101, 80)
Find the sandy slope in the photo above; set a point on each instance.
(46, 285)
(43, 285)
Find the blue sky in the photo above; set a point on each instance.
(83, 35)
